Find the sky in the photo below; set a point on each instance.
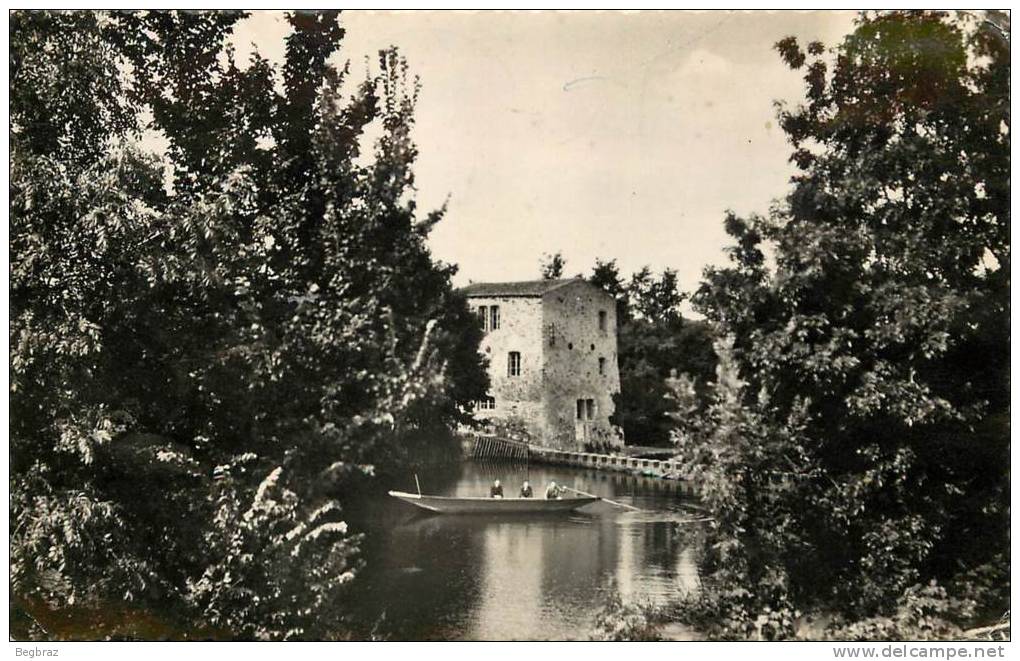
(618, 135)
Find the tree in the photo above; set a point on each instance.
(649, 354)
(81, 202)
(552, 266)
(160, 335)
(656, 299)
(874, 352)
(606, 275)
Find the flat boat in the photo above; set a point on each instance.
(482, 505)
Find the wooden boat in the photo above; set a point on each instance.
(481, 505)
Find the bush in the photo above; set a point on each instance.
(617, 621)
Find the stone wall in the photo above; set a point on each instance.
(573, 343)
(518, 398)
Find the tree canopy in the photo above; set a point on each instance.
(856, 450)
(552, 266)
(206, 343)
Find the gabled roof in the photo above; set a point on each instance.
(525, 288)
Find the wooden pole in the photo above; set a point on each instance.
(611, 502)
(416, 483)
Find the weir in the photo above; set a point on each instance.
(490, 448)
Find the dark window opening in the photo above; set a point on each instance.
(513, 364)
(602, 366)
(494, 317)
(484, 317)
(602, 320)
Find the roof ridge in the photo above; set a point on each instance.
(564, 282)
(526, 288)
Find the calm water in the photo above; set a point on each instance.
(530, 577)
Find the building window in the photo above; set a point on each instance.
(586, 409)
(513, 363)
(580, 409)
(486, 404)
(483, 315)
(602, 320)
(494, 317)
(602, 366)
(589, 404)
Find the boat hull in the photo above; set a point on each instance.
(455, 505)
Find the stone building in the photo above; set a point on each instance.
(551, 346)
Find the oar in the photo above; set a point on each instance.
(611, 502)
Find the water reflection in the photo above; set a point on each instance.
(475, 577)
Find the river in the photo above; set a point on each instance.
(542, 577)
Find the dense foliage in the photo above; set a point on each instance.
(855, 451)
(207, 344)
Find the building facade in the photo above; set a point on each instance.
(551, 347)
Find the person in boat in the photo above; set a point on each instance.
(526, 490)
(553, 492)
(496, 491)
